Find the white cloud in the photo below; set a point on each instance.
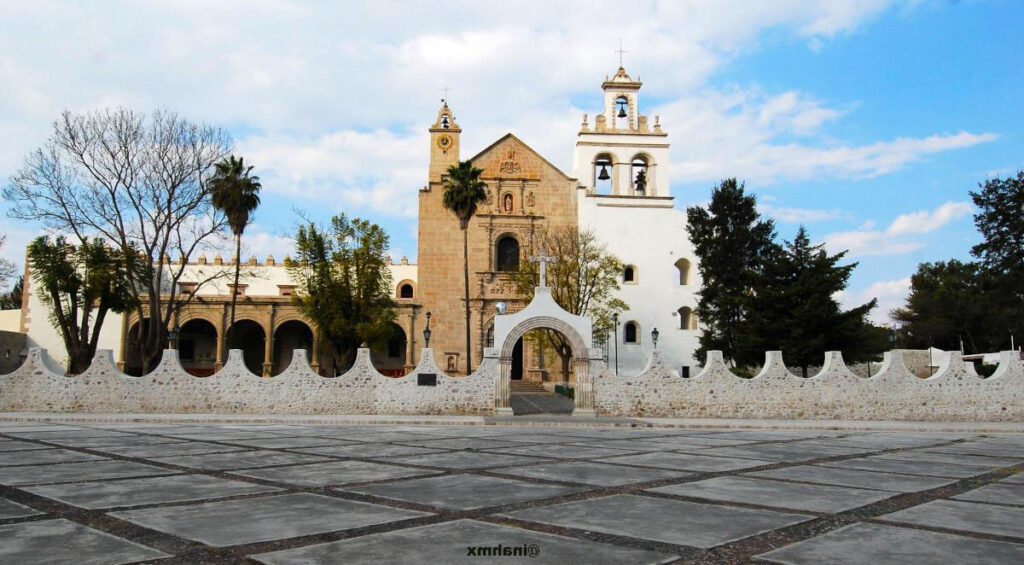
(868, 241)
(925, 221)
(799, 215)
(890, 294)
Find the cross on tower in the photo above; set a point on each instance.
(543, 260)
(445, 90)
(620, 51)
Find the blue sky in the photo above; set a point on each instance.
(867, 121)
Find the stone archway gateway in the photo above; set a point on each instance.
(544, 313)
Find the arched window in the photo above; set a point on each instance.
(629, 274)
(638, 175)
(405, 291)
(687, 321)
(683, 265)
(631, 333)
(603, 174)
(507, 258)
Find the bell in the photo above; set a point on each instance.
(603, 175)
(622, 111)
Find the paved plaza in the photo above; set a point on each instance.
(98, 492)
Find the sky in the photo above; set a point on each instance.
(866, 121)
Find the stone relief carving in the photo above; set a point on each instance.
(509, 165)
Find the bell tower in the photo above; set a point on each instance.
(444, 142)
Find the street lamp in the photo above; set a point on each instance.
(654, 337)
(615, 334)
(426, 332)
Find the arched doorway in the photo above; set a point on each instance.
(197, 347)
(389, 358)
(517, 361)
(289, 336)
(249, 336)
(132, 360)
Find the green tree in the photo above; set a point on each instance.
(11, 300)
(793, 308)
(730, 240)
(951, 301)
(234, 190)
(81, 284)
(1001, 222)
(583, 279)
(463, 192)
(344, 284)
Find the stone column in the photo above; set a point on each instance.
(268, 354)
(410, 342)
(583, 404)
(124, 342)
(221, 341)
(502, 389)
(315, 363)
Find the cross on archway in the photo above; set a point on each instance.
(543, 259)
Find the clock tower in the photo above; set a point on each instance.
(444, 142)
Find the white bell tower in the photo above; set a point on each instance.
(621, 153)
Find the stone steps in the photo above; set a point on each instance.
(526, 386)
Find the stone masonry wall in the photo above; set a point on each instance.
(36, 387)
(955, 393)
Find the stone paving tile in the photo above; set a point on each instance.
(555, 451)
(671, 521)
(1014, 479)
(926, 457)
(65, 542)
(976, 448)
(251, 520)
(465, 460)
(51, 435)
(592, 473)
(785, 452)
(465, 443)
(367, 450)
(638, 445)
(855, 478)
(10, 509)
(698, 441)
(995, 493)
(871, 544)
(687, 462)
(44, 456)
(74, 472)
(465, 492)
(449, 543)
(290, 442)
(13, 427)
(117, 441)
(794, 496)
(334, 473)
(151, 490)
(6, 446)
(240, 460)
(966, 516)
(167, 449)
(909, 467)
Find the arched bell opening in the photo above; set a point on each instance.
(197, 347)
(249, 336)
(640, 176)
(621, 112)
(389, 357)
(288, 337)
(603, 169)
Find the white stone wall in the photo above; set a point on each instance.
(955, 393)
(38, 386)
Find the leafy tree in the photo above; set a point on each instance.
(344, 284)
(139, 183)
(463, 192)
(235, 192)
(1001, 222)
(582, 279)
(793, 308)
(6, 267)
(950, 301)
(731, 240)
(11, 300)
(81, 285)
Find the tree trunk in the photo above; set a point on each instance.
(234, 289)
(465, 265)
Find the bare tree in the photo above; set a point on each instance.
(6, 267)
(138, 182)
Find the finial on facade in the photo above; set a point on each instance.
(270, 261)
(202, 258)
(388, 261)
(405, 260)
(252, 260)
(218, 260)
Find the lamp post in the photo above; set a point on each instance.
(426, 333)
(615, 335)
(654, 337)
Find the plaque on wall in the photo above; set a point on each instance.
(426, 379)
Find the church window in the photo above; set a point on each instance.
(639, 175)
(405, 291)
(683, 266)
(507, 254)
(629, 274)
(687, 321)
(631, 333)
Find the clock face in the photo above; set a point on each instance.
(444, 141)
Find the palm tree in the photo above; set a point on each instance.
(463, 191)
(236, 193)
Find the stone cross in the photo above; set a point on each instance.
(543, 259)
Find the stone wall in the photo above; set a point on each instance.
(955, 393)
(38, 387)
